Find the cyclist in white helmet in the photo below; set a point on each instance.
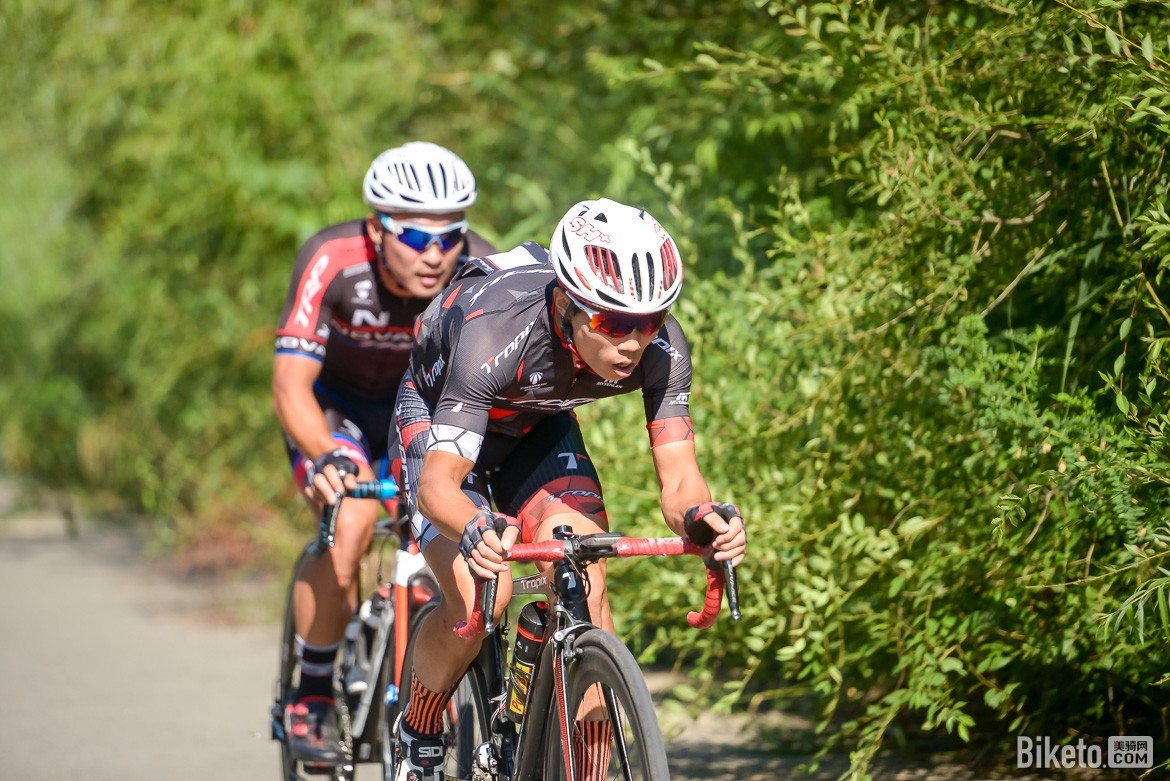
(342, 347)
(484, 417)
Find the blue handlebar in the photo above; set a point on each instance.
(375, 489)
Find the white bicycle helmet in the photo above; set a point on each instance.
(419, 177)
(611, 256)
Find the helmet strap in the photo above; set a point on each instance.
(567, 324)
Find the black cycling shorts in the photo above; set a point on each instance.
(545, 472)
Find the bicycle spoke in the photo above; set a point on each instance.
(617, 725)
(614, 733)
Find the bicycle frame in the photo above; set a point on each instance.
(361, 738)
(519, 755)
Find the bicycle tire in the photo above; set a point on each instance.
(602, 663)
(293, 769)
(467, 718)
(287, 668)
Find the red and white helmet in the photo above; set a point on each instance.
(419, 177)
(611, 256)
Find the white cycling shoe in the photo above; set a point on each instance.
(418, 759)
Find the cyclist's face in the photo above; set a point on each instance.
(407, 272)
(610, 357)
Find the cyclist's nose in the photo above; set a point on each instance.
(632, 346)
(433, 254)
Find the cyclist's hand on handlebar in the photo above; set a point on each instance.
(486, 540)
(329, 475)
(719, 525)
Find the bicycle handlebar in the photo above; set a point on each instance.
(370, 489)
(592, 547)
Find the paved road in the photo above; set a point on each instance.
(109, 671)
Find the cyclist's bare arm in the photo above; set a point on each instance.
(297, 409)
(683, 487)
(442, 501)
(295, 405)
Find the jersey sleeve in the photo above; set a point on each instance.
(304, 323)
(666, 392)
(462, 413)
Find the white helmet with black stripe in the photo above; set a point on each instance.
(419, 177)
(611, 256)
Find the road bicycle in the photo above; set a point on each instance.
(369, 674)
(587, 714)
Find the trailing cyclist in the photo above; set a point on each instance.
(342, 347)
(486, 410)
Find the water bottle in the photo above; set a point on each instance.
(529, 635)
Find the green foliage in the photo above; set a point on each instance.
(926, 249)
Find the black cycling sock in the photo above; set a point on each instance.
(317, 663)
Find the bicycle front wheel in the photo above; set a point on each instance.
(613, 730)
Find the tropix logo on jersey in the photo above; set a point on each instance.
(535, 377)
(494, 362)
(1124, 751)
(666, 347)
(430, 375)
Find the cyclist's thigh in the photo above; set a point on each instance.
(457, 583)
(550, 474)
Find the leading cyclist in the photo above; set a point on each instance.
(500, 363)
(342, 347)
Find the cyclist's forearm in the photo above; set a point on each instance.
(445, 506)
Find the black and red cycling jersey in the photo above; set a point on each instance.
(488, 360)
(339, 313)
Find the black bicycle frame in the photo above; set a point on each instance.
(571, 614)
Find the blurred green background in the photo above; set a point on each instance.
(926, 249)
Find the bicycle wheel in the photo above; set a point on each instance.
(292, 769)
(285, 683)
(614, 730)
(467, 717)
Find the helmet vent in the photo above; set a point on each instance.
(634, 267)
(601, 217)
(604, 263)
(650, 273)
(669, 263)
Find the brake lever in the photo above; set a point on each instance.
(488, 603)
(732, 586)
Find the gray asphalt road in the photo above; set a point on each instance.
(111, 672)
